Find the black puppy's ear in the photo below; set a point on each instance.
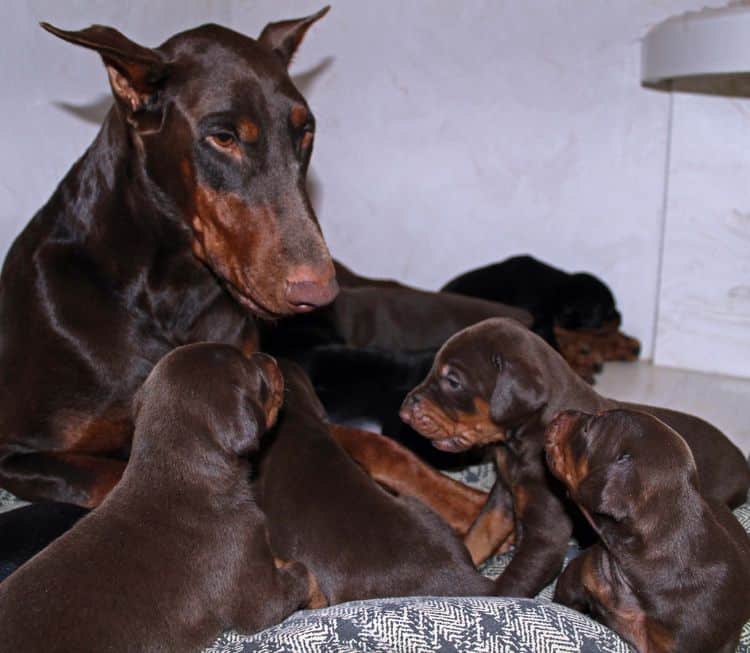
(519, 391)
(135, 72)
(284, 37)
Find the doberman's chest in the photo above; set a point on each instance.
(520, 460)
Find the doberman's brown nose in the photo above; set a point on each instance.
(308, 288)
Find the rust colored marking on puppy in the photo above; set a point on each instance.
(250, 343)
(430, 420)
(317, 598)
(247, 130)
(108, 473)
(520, 500)
(298, 116)
(455, 433)
(399, 470)
(488, 534)
(83, 433)
(307, 140)
(477, 426)
(622, 612)
(660, 639)
(562, 462)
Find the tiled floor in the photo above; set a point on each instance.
(724, 401)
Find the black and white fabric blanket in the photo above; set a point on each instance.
(439, 624)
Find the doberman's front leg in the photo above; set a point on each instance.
(399, 470)
(493, 527)
(68, 477)
(542, 532)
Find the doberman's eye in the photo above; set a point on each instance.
(223, 140)
(452, 381)
(624, 457)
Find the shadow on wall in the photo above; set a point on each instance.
(731, 85)
(92, 112)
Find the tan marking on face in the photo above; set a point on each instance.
(247, 130)
(298, 116)
(307, 140)
(458, 433)
(478, 426)
(431, 421)
(235, 239)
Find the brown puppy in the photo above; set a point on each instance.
(178, 551)
(672, 570)
(359, 541)
(499, 383)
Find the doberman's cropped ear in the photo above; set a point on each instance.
(134, 71)
(518, 393)
(285, 36)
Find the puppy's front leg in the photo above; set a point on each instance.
(543, 529)
(294, 575)
(570, 590)
(493, 527)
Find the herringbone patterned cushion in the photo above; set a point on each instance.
(439, 625)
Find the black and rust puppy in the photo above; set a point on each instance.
(364, 387)
(671, 572)
(576, 313)
(358, 540)
(178, 551)
(499, 383)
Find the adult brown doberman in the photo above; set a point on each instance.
(186, 217)
(185, 220)
(497, 383)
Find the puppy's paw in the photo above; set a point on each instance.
(314, 597)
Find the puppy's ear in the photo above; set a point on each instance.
(241, 436)
(136, 403)
(135, 72)
(518, 393)
(284, 37)
(606, 492)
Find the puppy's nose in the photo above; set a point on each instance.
(408, 405)
(412, 399)
(308, 288)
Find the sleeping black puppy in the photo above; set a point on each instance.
(575, 313)
(365, 387)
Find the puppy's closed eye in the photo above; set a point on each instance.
(451, 381)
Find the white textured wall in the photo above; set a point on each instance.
(450, 134)
(704, 309)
